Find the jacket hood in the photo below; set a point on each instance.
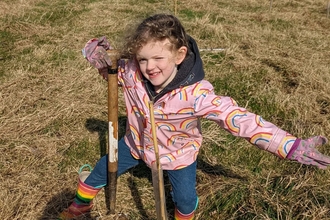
(189, 72)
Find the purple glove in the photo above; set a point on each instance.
(304, 152)
(95, 51)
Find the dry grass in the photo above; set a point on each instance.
(53, 104)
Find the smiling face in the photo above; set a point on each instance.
(158, 62)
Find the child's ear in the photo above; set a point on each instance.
(182, 52)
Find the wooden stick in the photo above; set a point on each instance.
(112, 129)
(157, 172)
(175, 7)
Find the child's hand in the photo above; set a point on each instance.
(306, 153)
(95, 51)
(104, 73)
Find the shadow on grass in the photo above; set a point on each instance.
(217, 170)
(57, 204)
(101, 128)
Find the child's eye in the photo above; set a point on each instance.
(142, 60)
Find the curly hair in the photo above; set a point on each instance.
(157, 28)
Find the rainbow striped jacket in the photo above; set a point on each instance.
(177, 119)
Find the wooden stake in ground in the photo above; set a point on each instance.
(157, 172)
(112, 129)
(175, 7)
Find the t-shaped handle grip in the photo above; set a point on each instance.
(114, 57)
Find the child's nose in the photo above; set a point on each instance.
(150, 65)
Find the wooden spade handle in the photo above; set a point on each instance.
(113, 129)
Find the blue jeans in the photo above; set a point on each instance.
(183, 181)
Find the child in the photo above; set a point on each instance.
(165, 67)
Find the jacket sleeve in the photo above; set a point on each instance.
(242, 123)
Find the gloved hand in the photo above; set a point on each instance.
(95, 51)
(121, 68)
(304, 152)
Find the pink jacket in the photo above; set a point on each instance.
(178, 127)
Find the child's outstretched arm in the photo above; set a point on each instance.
(265, 135)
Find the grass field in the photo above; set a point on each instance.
(53, 105)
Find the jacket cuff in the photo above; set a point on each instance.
(293, 148)
(281, 143)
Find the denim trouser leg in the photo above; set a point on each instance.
(183, 183)
(99, 175)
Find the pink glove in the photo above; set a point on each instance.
(95, 51)
(304, 152)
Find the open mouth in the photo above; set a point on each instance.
(152, 75)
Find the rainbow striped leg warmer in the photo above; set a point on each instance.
(179, 216)
(82, 203)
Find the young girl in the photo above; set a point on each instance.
(165, 67)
